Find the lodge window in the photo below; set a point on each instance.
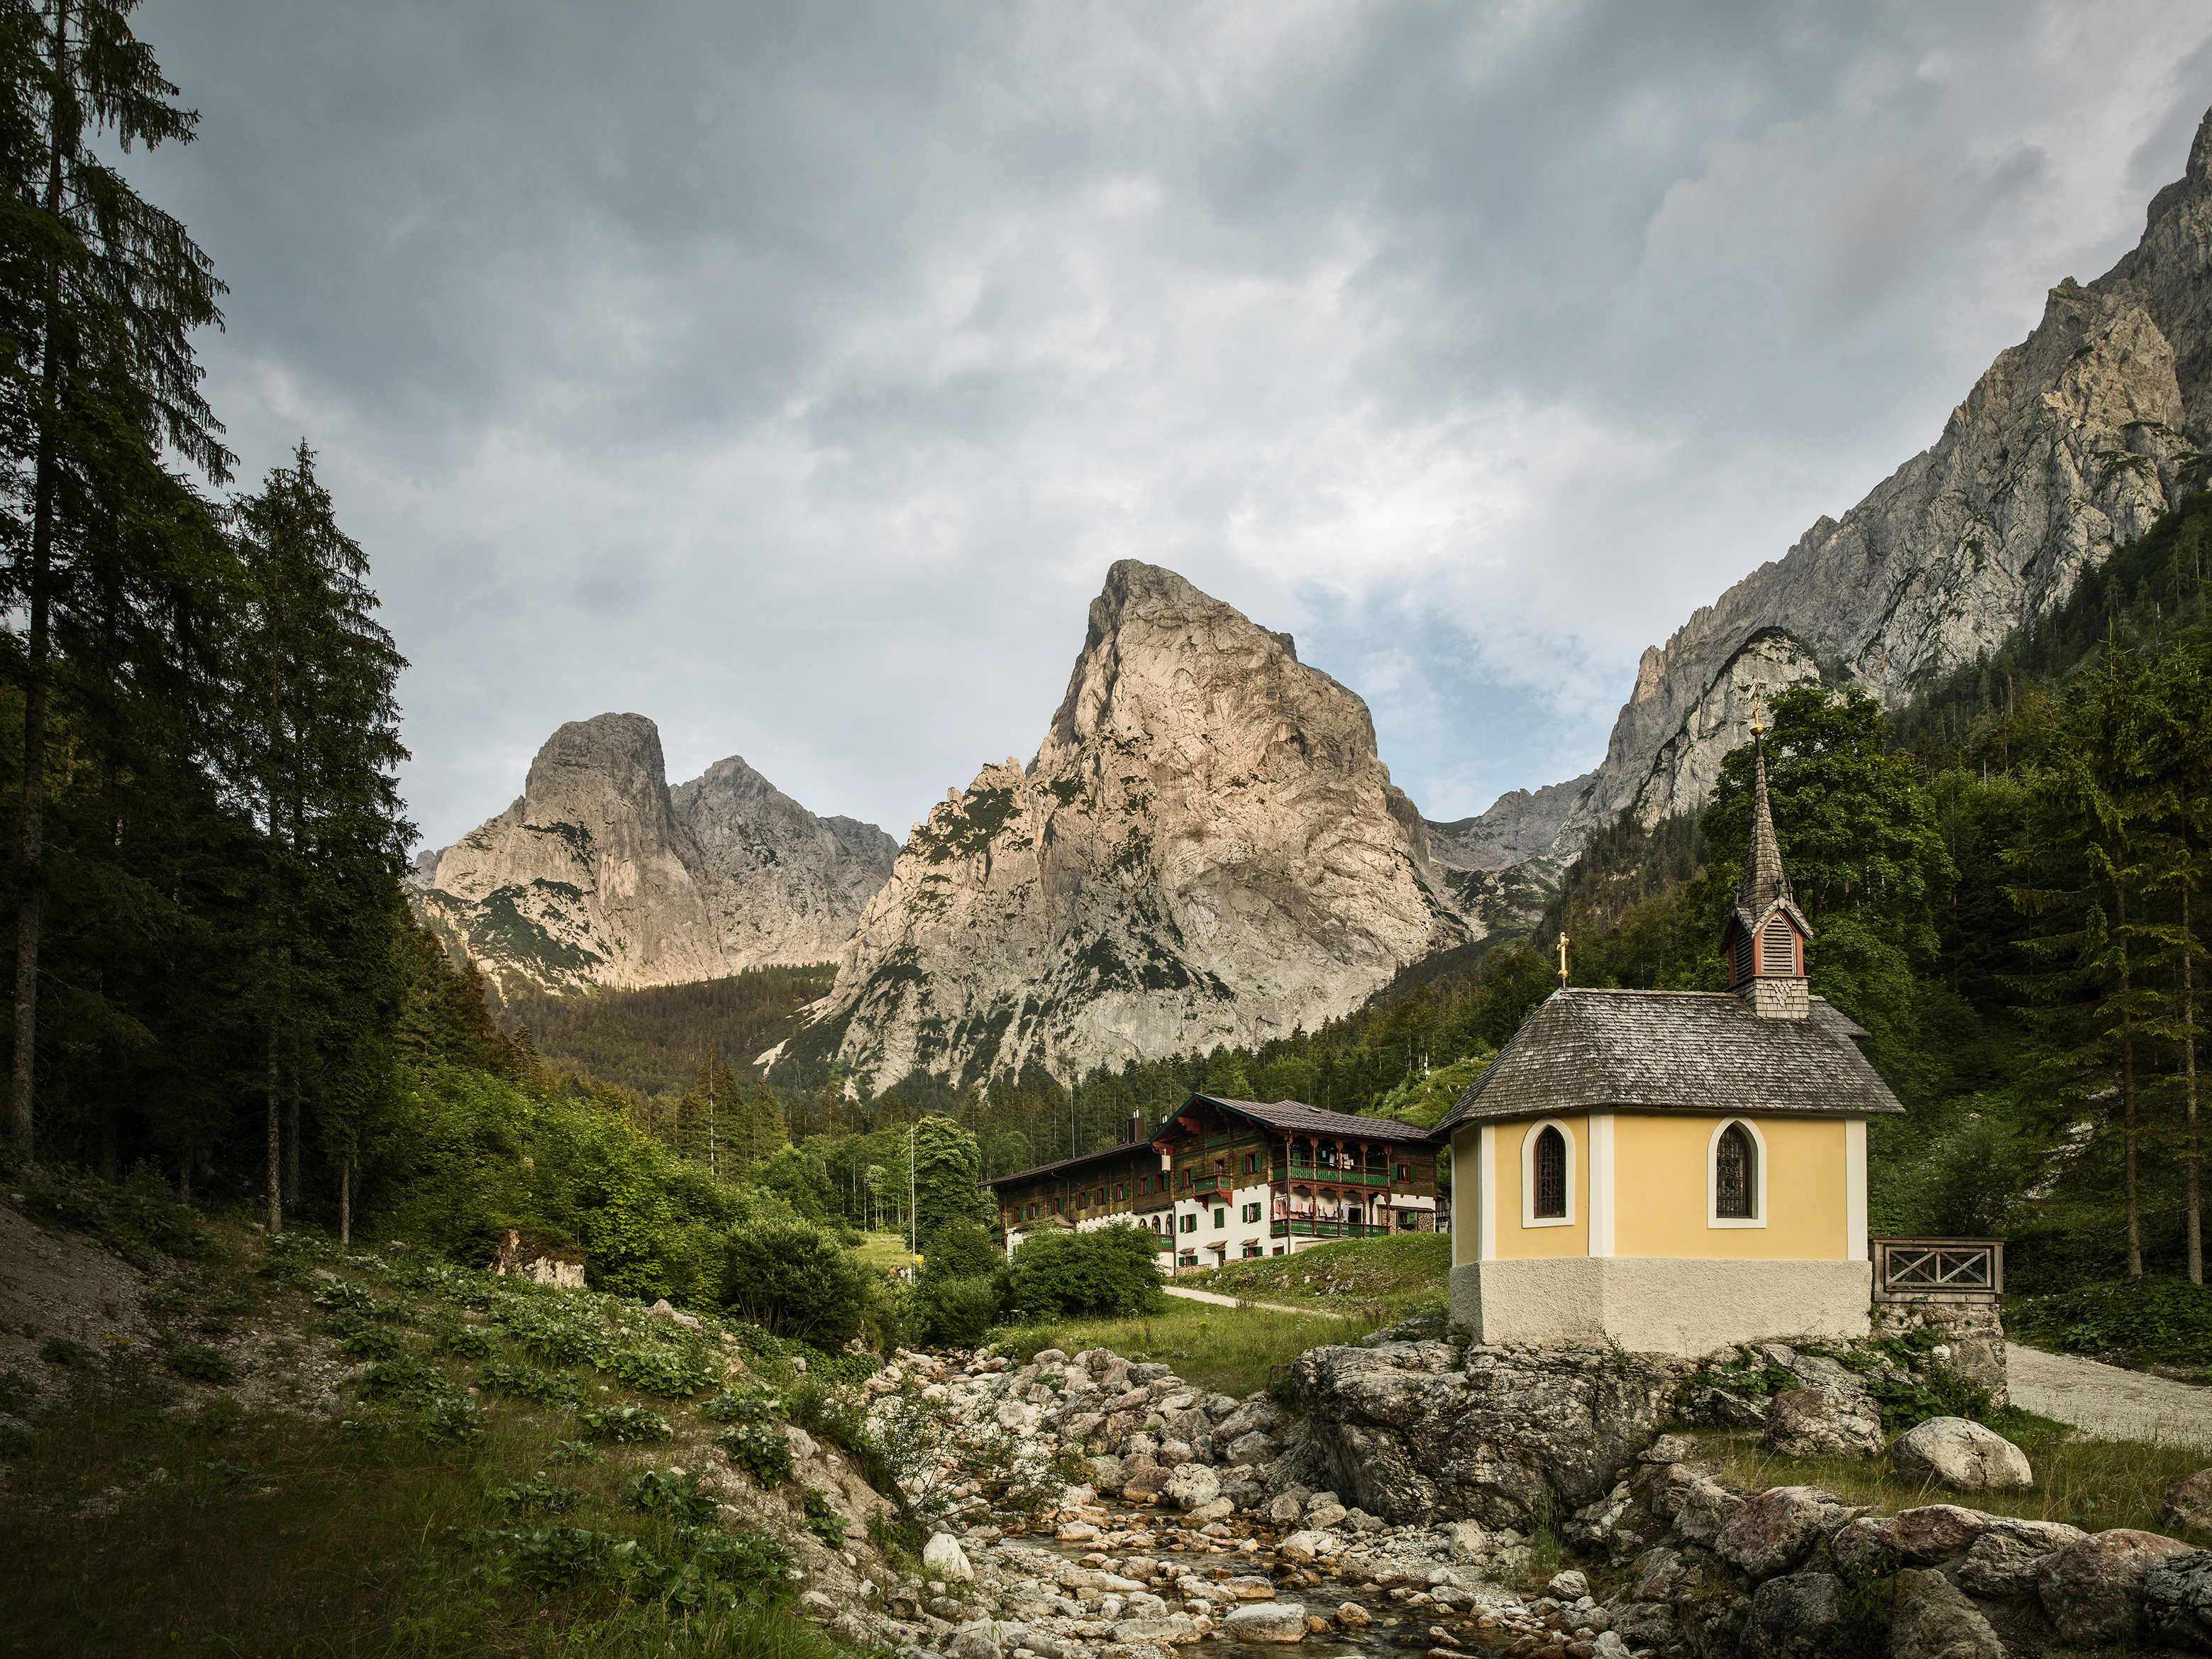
(1251, 1163)
(1251, 1213)
(1251, 1250)
(1221, 1218)
(1404, 1173)
(1736, 1176)
(1190, 1224)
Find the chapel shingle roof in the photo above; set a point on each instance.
(1687, 1051)
(1297, 1118)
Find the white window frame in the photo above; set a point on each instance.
(1528, 1216)
(1714, 1219)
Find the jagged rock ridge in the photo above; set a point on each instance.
(2071, 445)
(601, 874)
(1205, 849)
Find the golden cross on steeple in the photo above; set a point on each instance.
(1563, 959)
(1758, 717)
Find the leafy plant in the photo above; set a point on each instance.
(823, 1518)
(576, 1451)
(345, 1293)
(408, 1376)
(234, 1475)
(528, 1383)
(741, 1404)
(70, 1356)
(673, 1373)
(201, 1362)
(760, 1449)
(15, 1391)
(451, 1418)
(373, 1342)
(537, 1494)
(679, 1496)
(462, 1341)
(625, 1422)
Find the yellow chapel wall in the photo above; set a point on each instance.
(1515, 1241)
(1660, 1190)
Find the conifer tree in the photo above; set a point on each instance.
(101, 292)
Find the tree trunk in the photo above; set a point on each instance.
(30, 913)
(2194, 1200)
(2129, 1129)
(276, 1129)
(291, 1100)
(345, 1200)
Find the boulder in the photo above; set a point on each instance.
(1352, 1616)
(1866, 1547)
(1801, 1615)
(1932, 1619)
(1935, 1532)
(1191, 1485)
(2188, 1504)
(2093, 1590)
(1469, 1541)
(1568, 1586)
(1697, 1505)
(1961, 1455)
(1304, 1547)
(943, 1558)
(1409, 1433)
(2001, 1565)
(1255, 1416)
(1669, 1448)
(1265, 1621)
(2178, 1601)
(1725, 1410)
(1220, 1509)
(1320, 1517)
(1173, 1627)
(1777, 1529)
(1250, 1450)
(976, 1640)
(1646, 1625)
(1822, 1423)
(1146, 1481)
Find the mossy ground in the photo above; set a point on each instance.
(147, 1513)
(1233, 1351)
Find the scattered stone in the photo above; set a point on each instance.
(1961, 1455)
(1801, 1615)
(1265, 1621)
(1935, 1532)
(1822, 1423)
(2093, 1590)
(1568, 1586)
(1304, 1547)
(1192, 1485)
(2001, 1563)
(1352, 1616)
(1866, 1547)
(1669, 1448)
(1931, 1620)
(2188, 1504)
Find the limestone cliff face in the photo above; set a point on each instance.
(2069, 445)
(602, 875)
(1205, 849)
(782, 886)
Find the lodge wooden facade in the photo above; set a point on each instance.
(1233, 1179)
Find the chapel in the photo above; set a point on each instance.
(1673, 1170)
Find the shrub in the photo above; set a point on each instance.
(792, 1279)
(822, 1519)
(1109, 1271)
(201, 1363)
(958, 1313)
(760, 1449)
(463, 1342)
(629, 1423)
(408, 1376)
(528, 1383)
(960, 1249)
(671, 1372)
(537, 1494)
(681, 1498)
(2153, 1318)
(15, 1391)
(744, 1405)
(451, 1418)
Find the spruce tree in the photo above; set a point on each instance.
(101, 292)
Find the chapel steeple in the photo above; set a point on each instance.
(1764, 937)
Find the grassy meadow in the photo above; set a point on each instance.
(1376, 1280)
(1232, 1350)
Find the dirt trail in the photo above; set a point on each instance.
(2107, 1402)
(1220, 1300)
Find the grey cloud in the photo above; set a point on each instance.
(792, 374)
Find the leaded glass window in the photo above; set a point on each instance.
(1551, 1175)
(1736, 1174)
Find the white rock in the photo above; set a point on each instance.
(1962, 1455)
(1265, 1621)
(943, 1557)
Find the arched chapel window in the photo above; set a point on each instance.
(1736, 1174)
(1551, 1175)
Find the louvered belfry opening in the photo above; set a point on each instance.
(1551, 1175)
(1736, 1174)
(1777, 948)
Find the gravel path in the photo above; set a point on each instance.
(2107, 1402)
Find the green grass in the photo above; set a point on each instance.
(1230, 1350)
(135, 1525)
(1379, 1280)
(2091, 1483)
(884, 1251)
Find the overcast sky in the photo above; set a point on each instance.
(791, 374)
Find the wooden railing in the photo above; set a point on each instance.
(1937, 1269)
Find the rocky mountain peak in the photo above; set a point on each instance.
(601, 874)
(1205, 849)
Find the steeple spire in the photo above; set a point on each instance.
(1764, 879)
(1765, 939)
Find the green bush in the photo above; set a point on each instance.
(629, 1423)
(1109, 1271)
(681, 1498)
(671, 1372)
(958, 1313)
(201, 1363)
(822, 1519)
(760, 1449)
(528, 1383)
(535, 1494)
(2151, 1318)
(453, 1418)
(792, 1279)
(960, 1249)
